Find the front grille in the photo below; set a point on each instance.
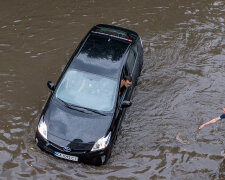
(54, 147)
(76, 148)
(81, 146)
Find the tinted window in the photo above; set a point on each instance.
(130, 61)
(139, 44)
(102, 48)
(135, 48)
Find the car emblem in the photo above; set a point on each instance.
(66, 149)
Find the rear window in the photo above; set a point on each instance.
(102, 48)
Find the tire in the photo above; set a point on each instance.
(108, 155)
(98, 161)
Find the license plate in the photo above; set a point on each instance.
(65, 156)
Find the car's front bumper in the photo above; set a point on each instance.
(96, 158)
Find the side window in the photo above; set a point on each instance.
(130, 61)
(135, 48)
(122, 89)
(139, 44)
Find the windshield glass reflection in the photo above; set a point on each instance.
(87, 90)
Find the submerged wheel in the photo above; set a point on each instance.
(98, 161)
(108, 155)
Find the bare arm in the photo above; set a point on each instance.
(210, 122)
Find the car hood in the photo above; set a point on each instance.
(72, 125)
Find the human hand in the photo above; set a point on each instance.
(202, 126)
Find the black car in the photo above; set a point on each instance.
(82, 117)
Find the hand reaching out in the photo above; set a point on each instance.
(202, 126)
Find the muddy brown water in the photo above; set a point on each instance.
(180, 87)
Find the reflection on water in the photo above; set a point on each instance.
(181, 86)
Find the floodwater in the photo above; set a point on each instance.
(180, 87)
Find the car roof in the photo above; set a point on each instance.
(104, 50)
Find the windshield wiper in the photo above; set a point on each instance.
(79, 108)
(71, 106)
(93, 110)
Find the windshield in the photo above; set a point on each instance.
(87, 90)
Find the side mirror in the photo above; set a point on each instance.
(126, 104)
(51, 85)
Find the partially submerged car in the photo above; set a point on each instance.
(82, 117)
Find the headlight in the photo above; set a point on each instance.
(42, 128)
(101, 143)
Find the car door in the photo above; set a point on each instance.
(119, 113)
(131, 68)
